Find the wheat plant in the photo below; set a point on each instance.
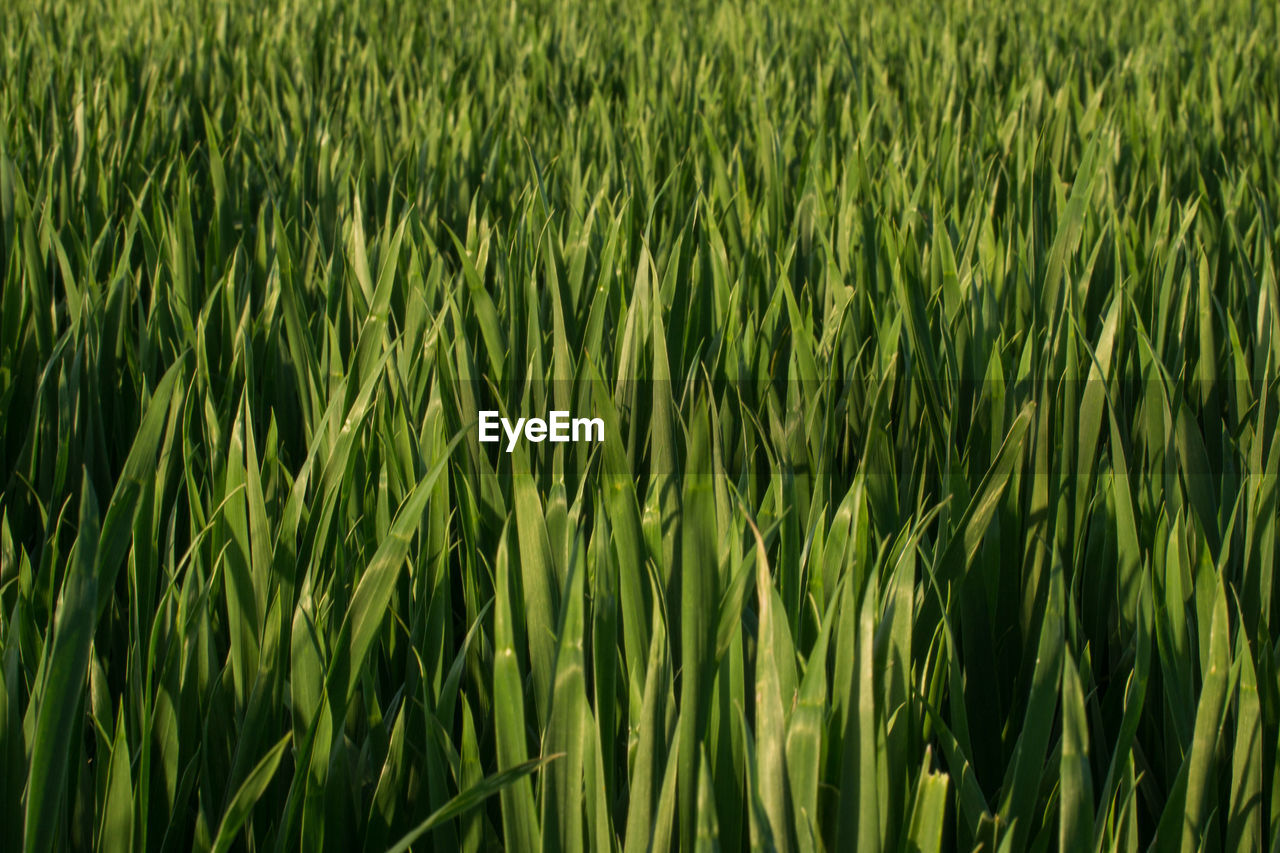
(937, 348)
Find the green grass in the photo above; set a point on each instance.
(938, 349)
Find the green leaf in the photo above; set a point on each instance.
(59, 705)
(467, 800)
(255, 785)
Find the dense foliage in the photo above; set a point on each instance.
(938, 349)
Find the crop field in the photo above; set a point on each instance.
(936, 348)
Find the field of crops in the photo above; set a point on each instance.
(938, 351)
